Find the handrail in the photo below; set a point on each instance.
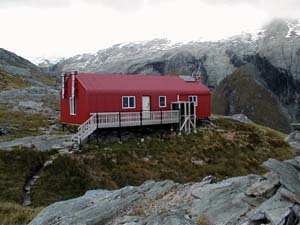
(124, 119)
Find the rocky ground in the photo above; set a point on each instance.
(294, 140)
(273, 198)
(30, 100)
(41, 143)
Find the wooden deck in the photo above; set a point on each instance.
(124, 119)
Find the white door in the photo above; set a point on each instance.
(146, 107)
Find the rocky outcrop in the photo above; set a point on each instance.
(42, 143)
(31, 100)
(294, 140)
(253, 199)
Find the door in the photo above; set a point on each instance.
(146, 107)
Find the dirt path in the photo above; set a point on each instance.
(32, 180)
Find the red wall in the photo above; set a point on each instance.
(89, 102)
(82, 112)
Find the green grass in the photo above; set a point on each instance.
(8, 81)
(14, 214)
(15, 167)
(234, 149)
(20, 124)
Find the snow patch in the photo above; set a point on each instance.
(294, 29)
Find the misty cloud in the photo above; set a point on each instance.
(275, 8)
(35, 3)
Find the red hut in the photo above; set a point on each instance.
(129, 100)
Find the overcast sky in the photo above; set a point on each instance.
(44, 28)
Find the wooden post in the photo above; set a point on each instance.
(189, 116)
(120, 125)
(141, 117)
(97, 121)
(195, 118)
(185, 116)
(180, 117)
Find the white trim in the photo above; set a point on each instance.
(128, 97)
(162, 106)
(196, 99)
(72, 106)
(63, 86)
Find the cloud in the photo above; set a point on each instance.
(35, 3)
(275, 8)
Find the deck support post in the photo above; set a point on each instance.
(119, 129)
(141, 118)
(195, 119)
(97, 121)
(63, 127)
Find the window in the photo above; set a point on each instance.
(128, 102)
(162, 101)
(72, 106)
(194, 99)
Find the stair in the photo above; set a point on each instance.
(85, 130)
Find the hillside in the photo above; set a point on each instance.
(256, 88)
(13, 64)
(224, 149)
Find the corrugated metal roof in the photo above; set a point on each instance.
(137, 83)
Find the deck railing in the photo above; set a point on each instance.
(124, 119)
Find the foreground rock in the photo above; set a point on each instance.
(294, 140)
(253, 199)
(42, 143)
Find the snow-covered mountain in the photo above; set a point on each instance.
(278, 41)
(46, 61)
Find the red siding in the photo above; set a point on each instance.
(82, 112)
(89, 101)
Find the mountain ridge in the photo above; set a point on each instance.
(212, 55)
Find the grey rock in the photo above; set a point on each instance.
(222, 203)
(100, 207)
(30, 100)
(289, 176)
(275, 210)
(294, 140)
(244, 200)
(290, 195)
(42, 143)
(239, 117)
(264, 186)
(3, 131)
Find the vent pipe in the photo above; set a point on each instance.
(73, 84)
(63, 86)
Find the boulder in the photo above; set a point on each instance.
(253, 199)
(289, 176)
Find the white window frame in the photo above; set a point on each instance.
(194, 99)
(162, 106)
(128, 97)
(72, 106)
